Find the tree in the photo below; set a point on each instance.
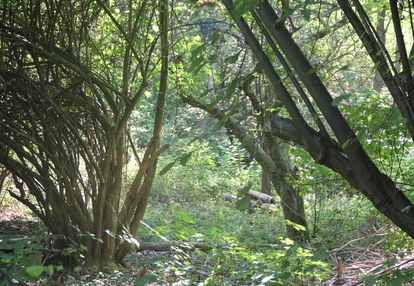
(378, 83)
(340, 149)
(71, 75)
(241, 106)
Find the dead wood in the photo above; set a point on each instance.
(257, 196)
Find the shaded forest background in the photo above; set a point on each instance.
(254, 142)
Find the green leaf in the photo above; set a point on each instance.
(185, 217)
(241, 7)
(6, 258)
(213, 38)
(197, 69)
(337, 100)
(243, 203)
(295, 226)
(231, 87)
(196, 52)
(35, 270)
(243, 191)
(167, 168)
(344, 68)
(50, 269)
(213, 58)
(184, 159)
(233, 58)
(306, 13)
(197, 62)
(144, 280)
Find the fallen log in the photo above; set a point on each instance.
(261, 196)
(258, 198)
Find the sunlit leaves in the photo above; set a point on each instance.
(35, 271)
(183, 160)
(243, 6)
(337, 100)
(146, 279)
(243, 200)
(231, 87)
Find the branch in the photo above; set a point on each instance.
(324, 152)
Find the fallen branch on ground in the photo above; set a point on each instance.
(257, 198)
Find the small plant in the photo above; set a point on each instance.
(23, 262)
(289, 265)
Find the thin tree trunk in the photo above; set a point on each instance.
(378, 82)
(3, 175)
(265, 176)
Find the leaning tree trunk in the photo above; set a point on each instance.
(378, 83)
(350, 159)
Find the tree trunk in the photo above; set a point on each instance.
(378, 82)
(265, 176)
(291, 200)
(65, 126)
(389, 73)
(376, 186)
(3, 175)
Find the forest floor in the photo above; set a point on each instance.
(360, 262)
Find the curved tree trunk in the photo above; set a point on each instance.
(291, 199)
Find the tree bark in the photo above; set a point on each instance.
(3, 175)
(265, 177)
(378, 82)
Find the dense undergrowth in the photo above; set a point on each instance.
(249, 247)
